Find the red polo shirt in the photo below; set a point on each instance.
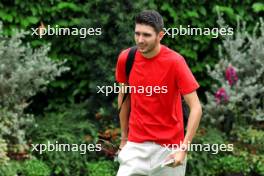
(157, 115)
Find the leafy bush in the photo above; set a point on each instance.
(3, 152)
(233, 164)
(252, 137)
(237, 102)
(23, 72)
(70, 125)
(117, 23)
(10, 169)
(259, 167)
(240, 72)
(102, 168)
(202, 163)
(32, 167)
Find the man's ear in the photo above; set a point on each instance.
(161, 35)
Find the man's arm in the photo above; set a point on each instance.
(124, 114)
(194, 117)
(193, 122)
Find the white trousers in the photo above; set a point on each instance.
(145, 159)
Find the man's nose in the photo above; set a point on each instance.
(140, 39)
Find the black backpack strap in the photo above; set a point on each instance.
(129, 65)
(130, 60)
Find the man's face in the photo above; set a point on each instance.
(146, 38)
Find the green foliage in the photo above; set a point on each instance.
(238, 110)
(233, 164)
(210, 136)
(9, 169)
(202, 163)
(258, 7)
(32, 167)
(201, 14)
(244, 159)
(23, 72)
(102, 168)
(250, 135)
(259, 167)
(13, 126)
(69, 125)
(245, 97)
(92, 61)
(3, 152)
(254, 162)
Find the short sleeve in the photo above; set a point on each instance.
(120, 73)
(185, 80)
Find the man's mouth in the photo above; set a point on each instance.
(141, 46)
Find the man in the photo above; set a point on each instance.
(152, 124)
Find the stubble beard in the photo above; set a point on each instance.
(151, 47)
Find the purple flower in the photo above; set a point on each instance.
(231, 75)
(221, 96)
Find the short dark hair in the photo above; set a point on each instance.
(151, 18)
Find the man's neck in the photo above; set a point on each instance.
(152, 53)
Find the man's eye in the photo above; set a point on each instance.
(146, 35)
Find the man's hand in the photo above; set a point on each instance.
(122, 143)
(178, 157)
